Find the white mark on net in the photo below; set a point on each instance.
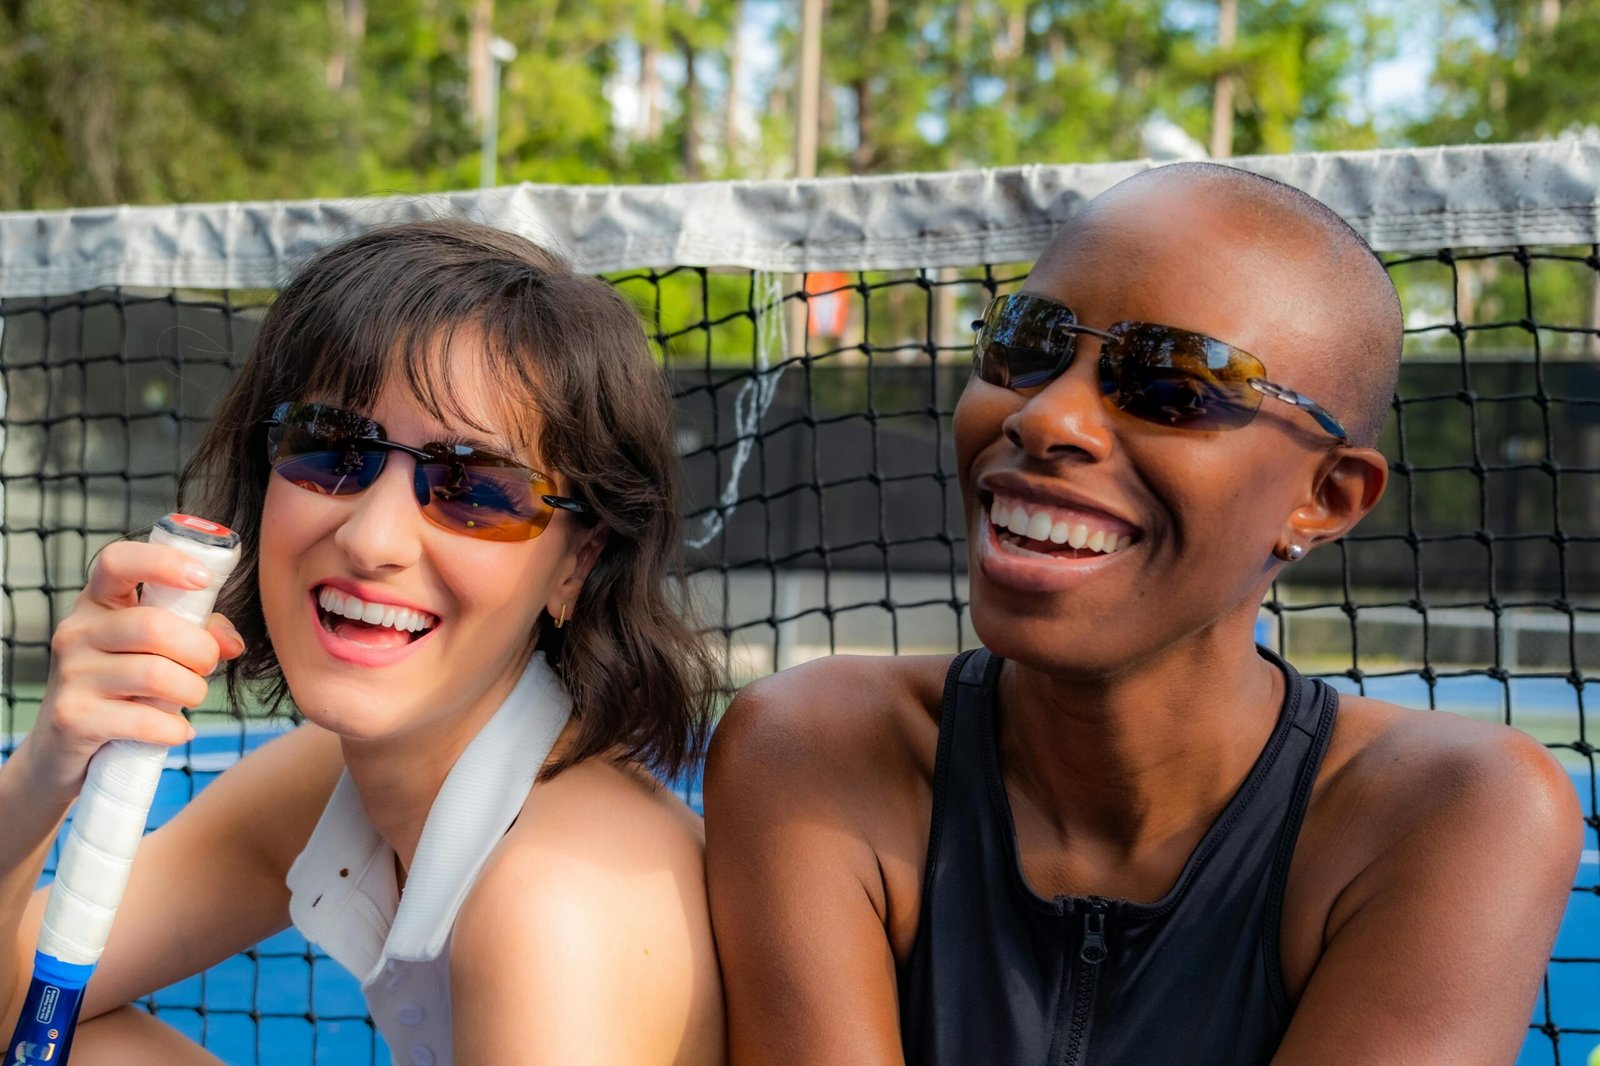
(751, 402)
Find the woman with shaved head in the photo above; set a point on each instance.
(1120, 832)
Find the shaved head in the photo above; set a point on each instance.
(1318, 280)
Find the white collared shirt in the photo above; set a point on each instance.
(343, 895)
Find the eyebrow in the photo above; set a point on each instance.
(498, 447)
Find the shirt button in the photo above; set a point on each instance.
(421, 1055)
(410, 1014)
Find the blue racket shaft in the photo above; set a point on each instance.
(106, 829)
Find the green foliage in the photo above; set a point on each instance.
(138, 101)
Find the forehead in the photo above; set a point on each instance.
(1225, 268)
(454, 387)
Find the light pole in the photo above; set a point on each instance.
(501, 52)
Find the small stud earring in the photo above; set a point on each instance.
(1293, 553)
(563, 619)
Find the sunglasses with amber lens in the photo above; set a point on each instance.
(462, 489)
(1161, 374)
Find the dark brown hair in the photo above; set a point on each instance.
(570, 347)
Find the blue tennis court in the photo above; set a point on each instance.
(286, 1002)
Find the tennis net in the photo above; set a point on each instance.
(814, 335)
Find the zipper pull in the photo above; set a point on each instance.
(1094, 951)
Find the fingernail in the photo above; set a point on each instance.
(197, 575)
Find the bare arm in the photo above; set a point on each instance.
(210, 883)
(797, 897)
(1435, 951)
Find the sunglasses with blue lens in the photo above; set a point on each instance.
(460, 488)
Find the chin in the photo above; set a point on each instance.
(1064, 643)
(346, 710)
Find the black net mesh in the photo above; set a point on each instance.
(824, 516)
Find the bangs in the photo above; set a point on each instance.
(501, 405)
(375, 321)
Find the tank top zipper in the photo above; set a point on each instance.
(1090, 955)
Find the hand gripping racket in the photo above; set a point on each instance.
(107, 828)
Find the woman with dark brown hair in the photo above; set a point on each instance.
(452, 465)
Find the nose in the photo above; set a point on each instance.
(1067, 418)
(382, 530)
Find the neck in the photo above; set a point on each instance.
(399, 776)
(1141, 762)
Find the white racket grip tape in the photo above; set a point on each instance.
(115, 802)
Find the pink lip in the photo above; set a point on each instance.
(1026, 574)
(349, 651)
(368, 594)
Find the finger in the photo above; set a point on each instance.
(123, 566)
(151, 677)
(121, 720)
(153, 631)
(229, 643)
(85, 725)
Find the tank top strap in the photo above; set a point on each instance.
(1315, 707)
(958, 766)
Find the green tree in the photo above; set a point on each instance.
(128, 100)
(1513, 71)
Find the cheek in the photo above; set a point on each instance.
(511, 582)
(979, 420)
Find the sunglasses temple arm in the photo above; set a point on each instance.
(1305, 403)
(567, 503)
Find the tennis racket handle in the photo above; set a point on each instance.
(49, 1015)
(108, 824)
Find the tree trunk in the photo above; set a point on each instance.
(1222, 91)
(730, 102)
(650, 75)
(347, 22)
(480, 65)
(960, 80)
(865, 155)
(691, 98)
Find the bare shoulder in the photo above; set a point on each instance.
(1409, 807)
(591, 914)
(815, 726)
(1428, 881)
(1421, 767)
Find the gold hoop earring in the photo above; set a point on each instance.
(563, 619)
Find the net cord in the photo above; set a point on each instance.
(1415, 200)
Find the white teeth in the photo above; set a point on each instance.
(345, 606)
(1042, 526)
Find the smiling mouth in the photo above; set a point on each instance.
(1025, 528)
(375, 625)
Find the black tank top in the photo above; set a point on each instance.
(1000, 976)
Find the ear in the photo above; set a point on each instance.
(1348, 485)
(565, 594)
